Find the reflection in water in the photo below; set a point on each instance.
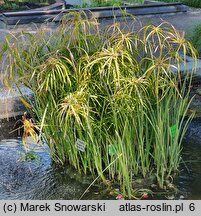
(190, 179)
(40, 179)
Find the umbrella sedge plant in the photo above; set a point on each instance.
(119, 92)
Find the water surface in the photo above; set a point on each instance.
(22, 178)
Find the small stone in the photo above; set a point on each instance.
(181, 197)
(153, 186)
(138, 181)
(170, 186)
(171, 197)
(198, 91)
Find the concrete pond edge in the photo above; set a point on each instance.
(40, 16)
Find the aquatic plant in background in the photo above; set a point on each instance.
(9, 5)
(194, 36)
(100, 3)
(111, 100)
(97, 3)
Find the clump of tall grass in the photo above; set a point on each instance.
(115, 90)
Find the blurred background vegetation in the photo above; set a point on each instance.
(22, 4)
(191, 3)
(19, 4)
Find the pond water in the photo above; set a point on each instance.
(190, 178)
(22, 178)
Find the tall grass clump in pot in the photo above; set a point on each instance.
(120, 92)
